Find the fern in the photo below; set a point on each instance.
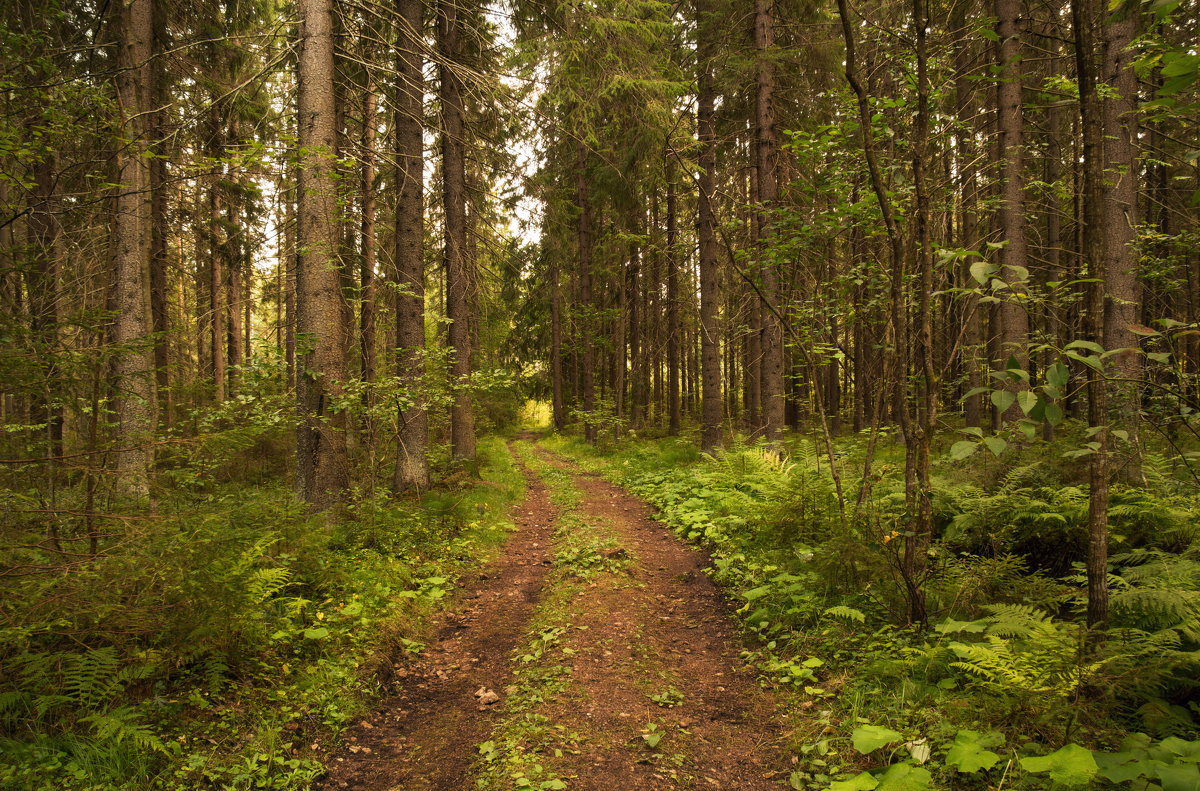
(265, 583)
(1155, 590)
(123, 724)
(90, 679)
(1025, 651)
(846, 613)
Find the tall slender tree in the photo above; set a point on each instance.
(412, 461)
(322, 462)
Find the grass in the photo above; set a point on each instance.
(230, 643)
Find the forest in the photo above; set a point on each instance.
(597, 394)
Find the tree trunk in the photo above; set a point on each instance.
(322, 461)
(366, 290)
(673, 406)
(768, 193)
(133, 369)
(710, 361)
(753, 390)
(454, 197)
(585, 288)
(160, 317)
(42, 283)
(968, 223)
(556, 364)
(412, 453)
(1014, 257)
(1085, 18)
(1122, 291)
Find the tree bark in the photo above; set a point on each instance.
(322, 461)
(133, 384)
(585, 288)
(968, 223)
(412, 456)
(366, 282)
(1122, 290)
(768, 193)
(454, 197)
(1085, 18)
(710, 361)
(1014, 257)
(673, 405)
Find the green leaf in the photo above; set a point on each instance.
(868, 738)
(905, 777)
(1003, 399)
(974, 431)
(1121, 767)
(1071, 765)
(860, 782)
(319, 633)
(976, 391)
(980, 271)
(1090, 346)
(995, 445)
(1179, 777)
(962, 449)
(1054, 414)
(848, 613)
(951, 625)
(969, 753)
(1016, 273)
(1091, 362)
(1027, 400)
(1138, 329)
(1058, 375)
(756, 593)
(1029, 428)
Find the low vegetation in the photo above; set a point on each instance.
(227, 646)
(1006, 687)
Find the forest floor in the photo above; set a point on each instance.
(593, 653)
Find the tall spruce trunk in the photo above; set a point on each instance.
(412, 452)
(1014, 256)
(968, 223)
(1122, 291)
(366, 280)
(133, 369)
(558, 409)
(322, 463)
(673, 406)
(710, 360)
(587, 363)
(767, 156)
(159, 300)
(1085, 19)
(454, 201)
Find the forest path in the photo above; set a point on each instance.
(658, 696)
(615, 658)
(425, 736)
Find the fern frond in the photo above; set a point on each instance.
(124, 724)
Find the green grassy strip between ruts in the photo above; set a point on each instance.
(525, 744)
(290, 625)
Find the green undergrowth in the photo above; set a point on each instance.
(1005, 688)
(227, 645)
(526, 747)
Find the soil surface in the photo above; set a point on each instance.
(651, 649)
(425, 737)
